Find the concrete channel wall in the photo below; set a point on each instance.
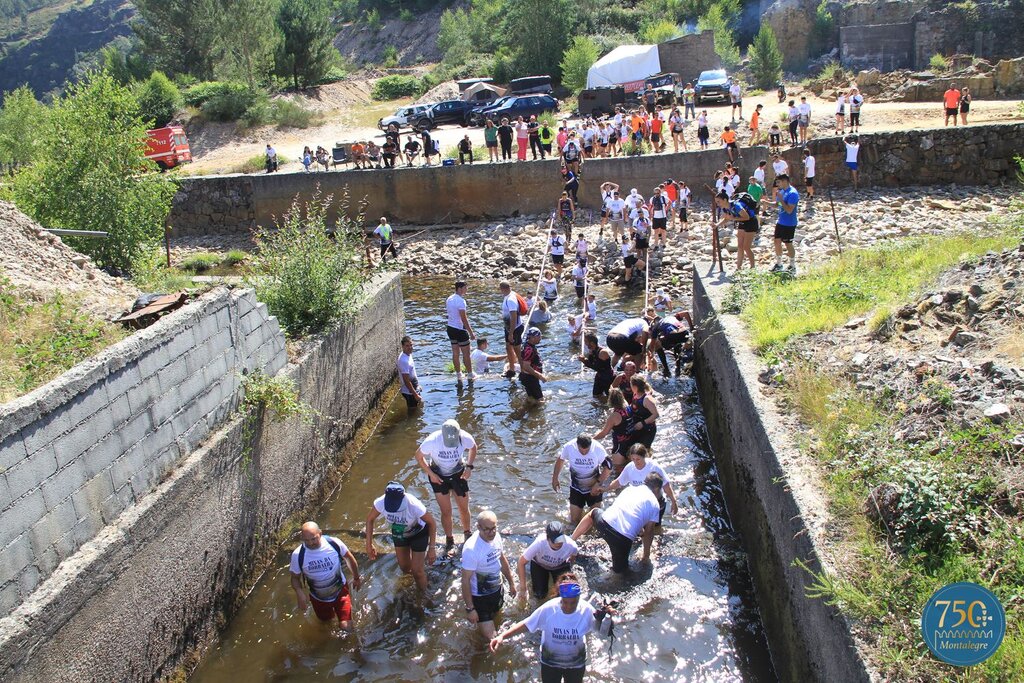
(76, 452)
(973, 155)
(771, 502)
(156, 583)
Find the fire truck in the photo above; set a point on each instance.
(168, 147)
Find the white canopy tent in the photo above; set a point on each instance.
(624, 64)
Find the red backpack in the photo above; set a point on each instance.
(523, 308)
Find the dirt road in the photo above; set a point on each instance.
(350, 115)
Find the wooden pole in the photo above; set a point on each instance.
(835, 222)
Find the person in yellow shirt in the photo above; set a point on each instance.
(728, 138)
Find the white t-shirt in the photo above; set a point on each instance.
(563, 639)
(574, 328)
(584, 468)
(406, 366)
(629, 327)
(579, 275)
(448, 461)
(780, 167)
(322, 568)
(454, 304)
(509, 305)
(635, 507)
(479, 360)
(591, 310)
(659, 205)
(550, 288)
(406, 522)
(582, 247)
(734, 92)
(684, 196)
(635, 203)
(543, 554)
(804, 109)
(384, 232)
(809, 167)
(558, 246)
(483, 559)
(616, 209)
(840, 104)
(852, 150)
(631, 476)
(759, 175)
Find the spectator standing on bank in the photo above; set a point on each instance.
(856, 102)
(793, 117)
(703, 134)
(522, 138)
(533, 130)
(505, 135)
(736, 98)
(786, 198)
(271, 154)
(965, 104)
(546, 136)
(951, 100)
(840, 112)
(689, 95)
(755, 125)
(491, 140)
(804, 111)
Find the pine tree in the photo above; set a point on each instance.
(766, 58)
(306, 52)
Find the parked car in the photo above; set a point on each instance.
(665, 85)
(449, 111)
(598, 101)
(405, 116)
(525, 105)
(712, 85)
(168, 147)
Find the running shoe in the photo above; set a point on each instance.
(777, 268)
(792, 269)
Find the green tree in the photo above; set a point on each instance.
(248, 38)
(94, 182)
(539, 30)
(766, 58)
(22, 121)
(159, 99)
(454, 38)
(306, 53)
(654, 32)
(576, 61)
(725, 44)
(179, 36)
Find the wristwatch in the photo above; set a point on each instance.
(470, 467)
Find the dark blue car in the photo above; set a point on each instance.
(712, 86)
(512, 107)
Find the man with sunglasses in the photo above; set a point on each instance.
(564, 623)
(483, 565)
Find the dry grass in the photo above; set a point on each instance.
(1011, 344)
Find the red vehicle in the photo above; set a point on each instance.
(168, 147)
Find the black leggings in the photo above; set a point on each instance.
(506, 149)
(554, 674)
(542, 578)
(792, 130)
(536, 147)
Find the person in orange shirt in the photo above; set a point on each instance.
(656, 126)
(728, 138)
(951, 98)
(637, 125)
(755, 125)
(358, 153)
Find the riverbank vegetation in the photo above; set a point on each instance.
(923, 490)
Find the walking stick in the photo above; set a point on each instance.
(716, 244)
(835, 223)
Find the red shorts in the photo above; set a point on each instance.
(340, 607)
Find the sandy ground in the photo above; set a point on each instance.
(350, 115)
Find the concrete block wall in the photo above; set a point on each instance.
(77, 452)
(193, 545)
(885, 47)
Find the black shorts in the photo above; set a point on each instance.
(457, 336)
(417, 543)
(541, 578)
(619, 545)
(655, 137)
(682, 213)
(775, 139)
(731, 145)
(750, 226)
(493, 145)
(785, 233)
(410, 401)
(629, 261)
(951, 112)
(738, 103)
(487, 606)
(621, 345)
(516, 336)
(604, 213)
(651, 108)
(452, 483)
(532, 386)
(558, 674)
(659, 223)
(558, 258)
(855, 117)
(964, 109)
(580, 291)
(641, 243)
(589, 149)
(810, 181)
(602, 383)
(584, 500)
(613, 138)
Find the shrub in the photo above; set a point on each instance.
(725, 44)
(306, 279)
(199, 263)
(654, 32)
(22, 122)
(406, 15)
(285, 113)
(197, 94)
(766, 58)
(395, 86)
(389, 58)
(576, 61)
(938, 63)
(833, 71)
(822, 30)
(235, 257)
(159, 99)
(372, 19)
(95, 183)
(230, 101)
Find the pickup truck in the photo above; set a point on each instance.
(404, 117)
(449, 111)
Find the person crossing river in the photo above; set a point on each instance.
(447, 457)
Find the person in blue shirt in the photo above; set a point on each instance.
(786, 198)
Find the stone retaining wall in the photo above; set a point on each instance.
(975, 155)
(772, 502)
(78, 451)
(158, 582)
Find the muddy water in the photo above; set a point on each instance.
(690, 616)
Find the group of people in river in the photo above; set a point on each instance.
(323, 568)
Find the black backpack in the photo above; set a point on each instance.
(333, 544)
(748, 202)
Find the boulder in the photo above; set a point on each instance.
(1008, 76)
(868, 78)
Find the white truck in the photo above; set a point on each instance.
(404, 117)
